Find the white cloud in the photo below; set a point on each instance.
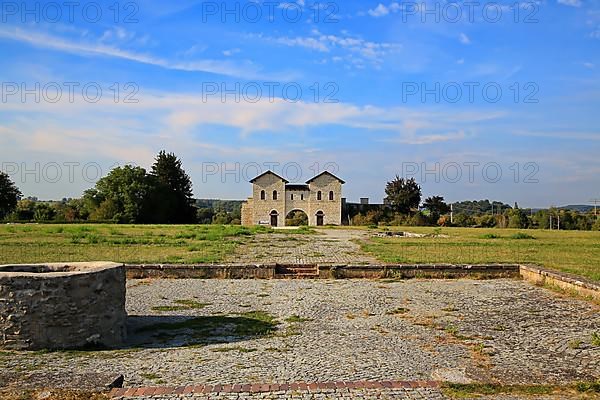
(229, 53)
(171, 117)
(307, 42)
(589, 65)
(566, 135)
(464, 39)
(572, 3)
(379, 11)
(434, 138)
(219, 67)
(371, 51)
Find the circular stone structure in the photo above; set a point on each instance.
(62, 305)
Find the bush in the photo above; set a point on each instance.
(417, 220)
(490, 236)
(521, 235)
(371, 218)
(464, 220)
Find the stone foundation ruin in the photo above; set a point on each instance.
(62, 305)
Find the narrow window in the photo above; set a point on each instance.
(262, 195)
(292, 196)
(331, 195)
(274, 194)
(301, 197)
(319, 195)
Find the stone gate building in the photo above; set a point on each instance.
(273, 198)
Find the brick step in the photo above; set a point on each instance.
(298, 275)
(296, 270)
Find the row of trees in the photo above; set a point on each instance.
(403, 207)
(126, 195)
(523, 218)
(164, 196)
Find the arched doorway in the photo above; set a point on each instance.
(296, 218)
(320, 217)
(274, 216)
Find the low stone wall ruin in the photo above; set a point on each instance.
(62, 305)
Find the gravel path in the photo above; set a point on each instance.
(327, 246)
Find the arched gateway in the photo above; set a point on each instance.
(274, 199)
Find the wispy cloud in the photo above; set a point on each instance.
(373, 52)
(430, 138)
(563, 135)
(464, 39)
(572, 3)
(227, 68)
(170, 116)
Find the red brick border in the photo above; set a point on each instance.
(271, 387)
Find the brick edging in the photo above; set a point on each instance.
(270, 387)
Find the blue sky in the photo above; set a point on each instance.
(409, 88)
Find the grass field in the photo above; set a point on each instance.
(122, 243)
(577, 252)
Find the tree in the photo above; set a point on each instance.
(436, 207)
(517, 218)
(204, 215)
(123, 195)
(403, 194)
(173, 202)
(464, 220)
(9, 195)
(44, 212)
(296, 218)
(25, 210)
(222, 218)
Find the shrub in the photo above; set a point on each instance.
(490, 236)
(521, 235)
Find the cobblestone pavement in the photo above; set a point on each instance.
(327, 246)
(385, 389)
(401, 394)
(505, 331)
(366, 394)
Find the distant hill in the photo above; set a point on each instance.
(577, 207)
(479, 207)
(220, 205)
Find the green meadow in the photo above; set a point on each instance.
(33, 243)
(576, 252)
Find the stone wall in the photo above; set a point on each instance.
(62, 306)
(572, 284)
(325, 271)
(262, 208)
(332, 209)
(247, 212)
